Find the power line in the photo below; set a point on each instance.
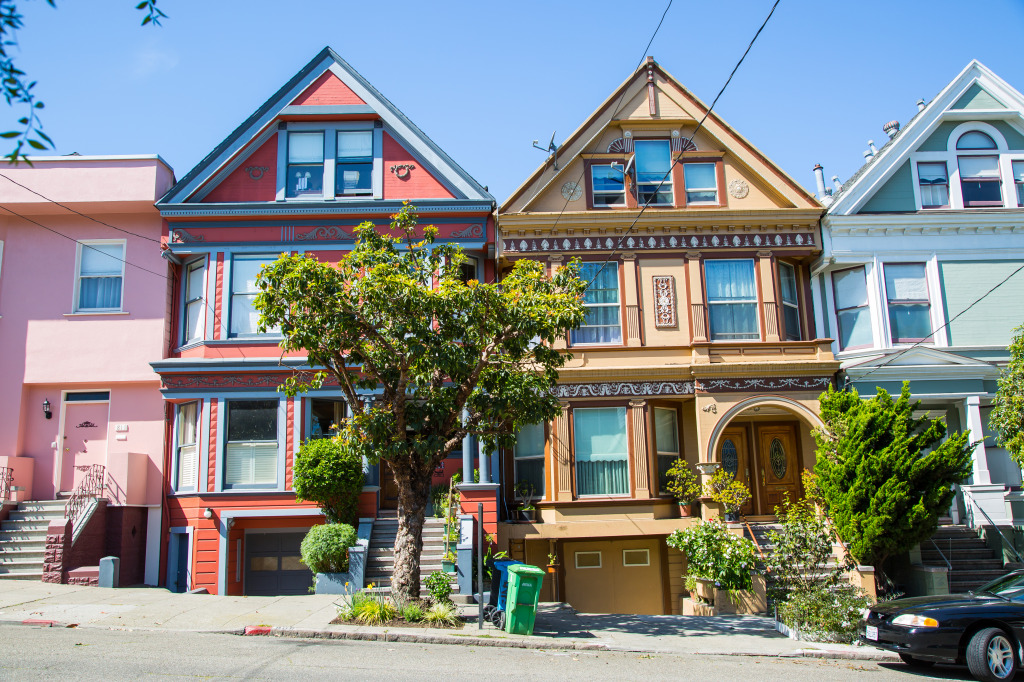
(68, 208)
(932, 335)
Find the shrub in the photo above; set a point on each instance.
(682, 482)
(325, 547)
(801, 551)
(439, 499)
(442, 613)
(727, 491)
(376, 609)
(826, 614)
(330, 474)
(440, 587)
(412, 612)
(713, 553)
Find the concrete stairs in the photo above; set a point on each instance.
(23, 538)
(974, 563)
(380, 559)
(758, 532)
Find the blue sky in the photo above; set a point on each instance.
(485, 79)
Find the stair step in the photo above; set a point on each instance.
(24, 525)
(10, 556)
(21, 575)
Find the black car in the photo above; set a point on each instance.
(983, 628)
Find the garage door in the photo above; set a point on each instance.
(614, 576)
(273, 564)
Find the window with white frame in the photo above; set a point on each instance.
(979, 175)
(100, 280)
(353, 170)
(305, 172)
(600, 448)
(195, 301)
(732, 299)
(251, 445)
(1018, 183)
(529, 458)
(790, 301)
(187, 445)
(906, 291)
(934, 182)
(601, 300)
(666, 442)
(244, 320)
(853, 315)
(653, 180)
(701, 180)
(607, 186)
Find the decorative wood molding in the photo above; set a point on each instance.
(561, 456)
(699, 319)
(771, 319)
(625, 388)
(180, 236)
(763, 384)
(664, 301)
(473, 231)
(633, 323)
(652, 243)
(235, 380)
(641, 478)
(326, 232)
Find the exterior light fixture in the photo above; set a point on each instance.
(208, 514)
(46, 409)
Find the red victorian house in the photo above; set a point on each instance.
(326, 152)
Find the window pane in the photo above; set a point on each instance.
(906, 282)
(979, 167)
(602, 466)
(733, 321)
(244, 318)
(354, 178)
(1018, 171)
(355, 144)
(602, 300)
(699, 176)
(787, 277)
(652, 160)
(187, 467)
(102, 259)
(975, 140)
(530, 441)
(99, 293)
(532, 471)
(666, 430)
(931, 172)
(243, 274)
(305, 148)
(303, 180)
(730, 280)
(981, 193)
(792, 317)
(187, 424)
(665, 463)
(855, 328)
(850, 288)
(193, 311)
(194, 284)
(606, 179)
(909, 322)
(250, 420)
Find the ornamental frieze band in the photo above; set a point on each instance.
(764, 384)
(753, 241)
(218, 381)
(618, 388)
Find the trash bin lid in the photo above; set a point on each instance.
(525, 569)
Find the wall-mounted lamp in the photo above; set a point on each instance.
(46, 409)
(230, 522)
(208, 514)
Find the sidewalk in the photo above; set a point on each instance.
(558, 625)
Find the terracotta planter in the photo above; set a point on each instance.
(687, 510)
(706, 590)
(552, 568)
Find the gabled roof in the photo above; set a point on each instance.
(606, 115)
(948, 104)
(258, 128)
(919, 362)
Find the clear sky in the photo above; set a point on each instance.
(484, 79)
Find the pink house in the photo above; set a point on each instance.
(83, 310)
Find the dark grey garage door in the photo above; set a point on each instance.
(273, 566)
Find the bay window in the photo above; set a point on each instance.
(790, 301)
(100, 278)
(607, 186)
(666, 442)
(251, 445)
(701, 180)
(906, 291)
(853, 316)
(653, 180)
(934, 183)
(602, 457)
(305, 172)
(602, 303)
(195, 302)
(732, 299)
(187, 448)
(529, 458)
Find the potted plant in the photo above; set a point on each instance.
(448, 562)
(716, 560)
(325, 549)
(728, 492)
(682, 484)
(524, 490)
(552, 563)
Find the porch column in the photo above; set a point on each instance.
(769, 306)
(485, 463)
(972, 414)
(641, 477)
(468, 448)
(560, 457)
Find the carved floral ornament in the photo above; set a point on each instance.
(256, 172)
(746, 240)
(402, 170)
(653, 388)
(664, 301)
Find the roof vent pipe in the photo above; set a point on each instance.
(868, 155)
(891, 128)
(920, 105)
(871, 146)
(819, 179)
(835, 181)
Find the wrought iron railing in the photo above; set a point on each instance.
(6, 483)
(88, 489)
(971, 506)
(944, 558)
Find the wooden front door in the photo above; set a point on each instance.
(779, 467)
(84, 440)
(735, 458)
(388, 487)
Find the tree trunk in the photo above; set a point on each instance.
(413, 492)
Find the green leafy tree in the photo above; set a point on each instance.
(18, 89)
(330, 474)
(885, 475)
(421, 357)
(1007, 416)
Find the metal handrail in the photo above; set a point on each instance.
(970, 510)
(6, 483)
(89, 488)
(754, 538)
(949, 565)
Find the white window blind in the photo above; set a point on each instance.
(100, 271)
(250, 464)
(187, 446)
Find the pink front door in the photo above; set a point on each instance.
(85, 441)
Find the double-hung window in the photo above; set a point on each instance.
(790, 301)
(244, 318)
(732, 299)
(195, 301)
(602, 303)
(934, 183)
(607, 186)
(653, 180)
(529, 457)
(853, 315)
(602, 457)
(305, 172)
(353, 170)
(187, 446)
(251, 447)
(906, 291)
(979, 175)
(666, 442)
(100, 276)
(1018, 181)
(701, 180)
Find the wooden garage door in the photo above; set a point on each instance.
(614, 576)
(273, 566)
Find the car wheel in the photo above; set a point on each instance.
(916, 662)
(990, 655)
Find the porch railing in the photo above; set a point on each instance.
(970, 513)
(6, 483)
(85, 493)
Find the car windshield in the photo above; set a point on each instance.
(1009, 587)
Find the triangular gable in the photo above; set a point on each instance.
(674, 105)
(976, 85)
(315, 81)
(919, 356)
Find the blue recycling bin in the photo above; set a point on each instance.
(494, 611)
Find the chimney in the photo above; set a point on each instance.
(835, 181)
(819, 179)
(920, 105)
(891, 128)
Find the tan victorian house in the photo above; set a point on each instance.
(699, 341)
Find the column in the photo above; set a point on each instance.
(631, 295)
(485, 463)
(698, 314)
(468, 448)
(972, 414)
(769, 306)
(561, 458)
(641, 467)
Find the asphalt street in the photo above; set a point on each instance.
(37, 653)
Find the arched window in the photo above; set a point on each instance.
(975, 139)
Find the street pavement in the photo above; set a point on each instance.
(558, 626)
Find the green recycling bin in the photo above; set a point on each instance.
(524, 584)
